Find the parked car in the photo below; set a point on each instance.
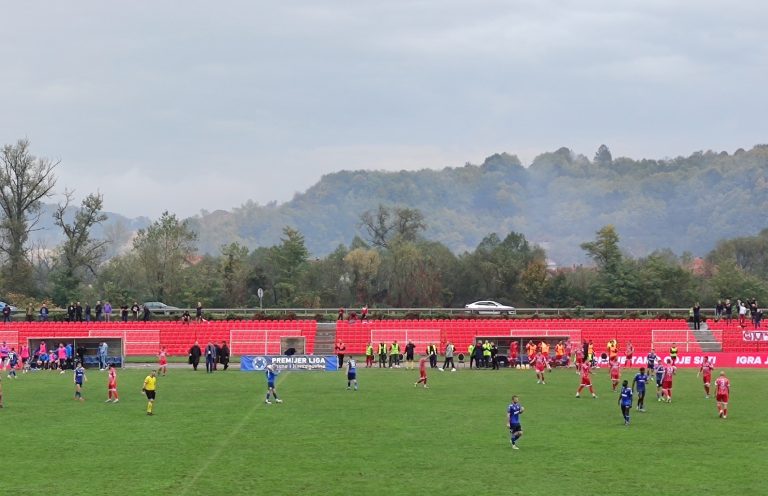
(3, 304)
(160, 307)
(489, 307)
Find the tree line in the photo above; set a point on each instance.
(392, 264)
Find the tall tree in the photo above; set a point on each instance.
(288, 260)
(233, 274)
(79, 254)
(24, 181)
(604, 250)
(385, 223)
(163, 249)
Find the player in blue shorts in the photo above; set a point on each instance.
(271, 372)
(659, 370)
(514, 410)
(351, 373)
(79, 380)
(638, 384)
(625, 401)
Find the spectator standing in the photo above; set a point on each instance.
(87, 312)
(98, 309)
(103, 354)
(194, 355)
(719, 310)
(7, 313)
(409, 354)
(80, 353)
(44, 313)
(382, 354)
(494, 355)
(364, 312)
(341, 314)
(478, 351)
(107, 311)
(210, 358)
(124, 313)
(135, 311)
(199, 312)
(30, 312)
(224, 356)
(742, 314)
(369, 355)
(340, 349)
(71, 312)
(728, 311)
(432, 353)
(78, 312)
(70, 356)
(147, 314)
(394, 354)
(696, 316)
(449, 349)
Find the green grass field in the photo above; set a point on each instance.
(213, 434)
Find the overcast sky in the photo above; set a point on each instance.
(203, 105)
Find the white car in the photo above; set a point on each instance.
(489, 307)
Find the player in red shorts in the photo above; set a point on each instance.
(722, 392)
(586, 380)
(615, 368)
(706, 371)
(162, 364)
(579, 357)
(629, 353)
(422, 372)
(540, 365)
(112, 385)
(666, 381)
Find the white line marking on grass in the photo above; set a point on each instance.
(190, 482)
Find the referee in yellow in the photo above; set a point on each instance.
(150, 385)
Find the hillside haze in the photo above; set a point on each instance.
(559, 201)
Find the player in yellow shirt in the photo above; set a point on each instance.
(149, 388)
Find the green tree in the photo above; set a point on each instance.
(24, 181)
(79, 254)
(288, 262)
(163, 250)
(233, 273)
(363, 266)
(533, 282)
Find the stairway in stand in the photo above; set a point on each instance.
(325, 338)
(707, 341)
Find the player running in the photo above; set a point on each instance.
(150, 389)
(586, 380)
(514, 410)
(422, 372)
(638, 384)
(80, 378)
(271, 373)
(162, 362)
(666, 381)
(625, 401)
(722, 392)
(540, 365)
(615, 369)
(112, 385)
(706, 371)
(351, 373)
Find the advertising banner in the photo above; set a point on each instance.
(251, 363)
(753, 336)
(748, 359)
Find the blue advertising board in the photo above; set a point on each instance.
(251, 363)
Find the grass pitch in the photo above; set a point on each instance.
(213, 434)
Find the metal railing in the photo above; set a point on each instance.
(424, 313)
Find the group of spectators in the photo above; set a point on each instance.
(214, 354)
(725, 310)
(101, 312)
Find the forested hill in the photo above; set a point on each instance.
(686, 203)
